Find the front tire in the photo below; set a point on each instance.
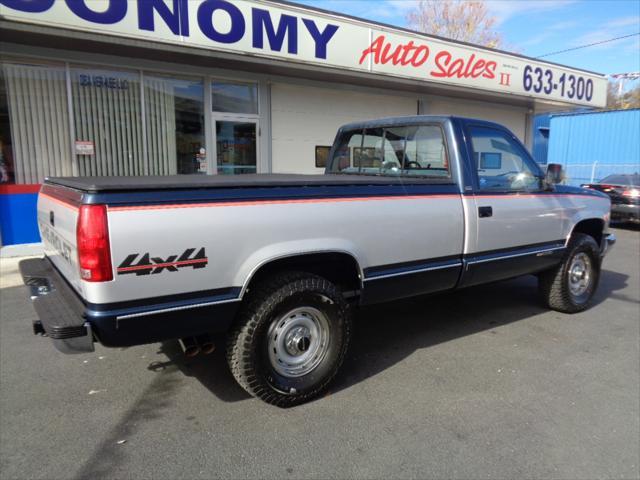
(569, 287)
(290, 339)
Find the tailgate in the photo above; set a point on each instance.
(57, 217)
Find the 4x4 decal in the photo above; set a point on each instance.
(151, 265)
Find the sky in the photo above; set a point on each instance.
(538, 27)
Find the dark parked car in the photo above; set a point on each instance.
(624, 190)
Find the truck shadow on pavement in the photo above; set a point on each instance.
(388, 333)
(109, 457)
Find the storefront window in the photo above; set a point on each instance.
(108, 123)
(34, 123)
(234, 97)
(174, 117)
(322, 155)
(6, 150)
(115, 126)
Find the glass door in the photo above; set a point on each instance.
(236, 145)
(235, 122)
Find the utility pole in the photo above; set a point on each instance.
(622, 79)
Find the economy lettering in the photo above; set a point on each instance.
(268, 29)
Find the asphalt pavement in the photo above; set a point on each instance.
(482, 383)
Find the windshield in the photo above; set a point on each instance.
(622, 179)
(417, 150)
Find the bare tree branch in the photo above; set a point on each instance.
(463, 20)
(622, 101)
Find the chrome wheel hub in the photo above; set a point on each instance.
(579, 274)
(298, 341)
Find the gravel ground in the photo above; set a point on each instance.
(483, 383)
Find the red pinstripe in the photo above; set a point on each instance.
(249, 203)
(168, 264)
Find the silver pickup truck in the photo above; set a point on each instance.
(408, 206)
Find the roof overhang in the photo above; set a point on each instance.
(284, 39)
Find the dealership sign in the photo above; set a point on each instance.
(269, 29)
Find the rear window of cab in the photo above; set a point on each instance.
(409, 151)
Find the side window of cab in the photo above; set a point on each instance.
(501, 163)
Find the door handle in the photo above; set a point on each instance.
(484, 212)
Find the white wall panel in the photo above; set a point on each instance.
(514, 118)
(305, 116)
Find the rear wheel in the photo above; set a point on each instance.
(291, 338)
(570, 286)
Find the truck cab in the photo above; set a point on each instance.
(515, 220)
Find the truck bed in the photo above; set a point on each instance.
(190, 182)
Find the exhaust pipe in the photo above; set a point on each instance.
(190, 347)
(206, 344)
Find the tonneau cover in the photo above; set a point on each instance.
(183, 182)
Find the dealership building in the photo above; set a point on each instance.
(228, 87)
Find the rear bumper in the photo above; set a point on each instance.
(59, 308)
(74, 325)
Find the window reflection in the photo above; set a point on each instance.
(174, 110)
(234, 97)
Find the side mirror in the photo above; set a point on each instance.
(554, 174)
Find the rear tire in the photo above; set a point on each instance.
(569, 287)
(290, 339)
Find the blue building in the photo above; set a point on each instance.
(541, 137)
(590, 145)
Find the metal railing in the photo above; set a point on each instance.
(577, 174)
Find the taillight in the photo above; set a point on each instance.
(633, 193)
(92, 234)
